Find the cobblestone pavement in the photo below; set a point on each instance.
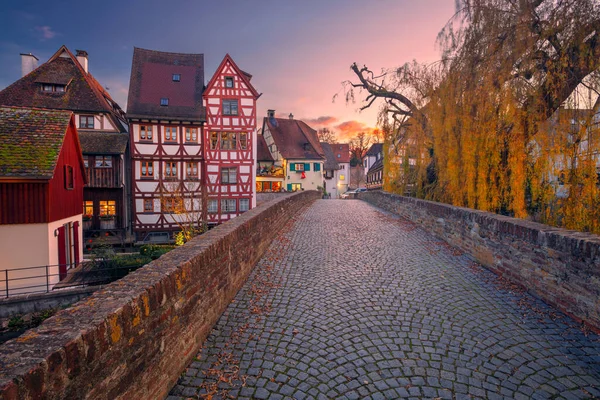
(350, 302)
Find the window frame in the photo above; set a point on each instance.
(228, 141)
(228, 108)
(191, 166)
(172, 166)
(244, 143)
(226, 173)
(149, 135)
(88, 208)
(149, 202)
(69, 178)
(106, 162)
(87, 117)
(149, 169)
(229, 79)
(226, 209)
(176, 77)
(246, 201)
(191, 131)
(209, 209)
(164, 101)
(170, 129)
(107, 205)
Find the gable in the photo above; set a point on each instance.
(241, 81)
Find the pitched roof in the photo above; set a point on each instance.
(31, 141)
(262, 151)
(330, 161)
(374, 149)
(152, 80)
(103, 143)
(294, 139)
(83, 93)
(377, 165)
(244, 76)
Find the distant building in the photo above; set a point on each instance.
(295, 148)
(192, 147)
(42, 177)
(374, 159)
(64, 83)
(371, 156)
(336, 168)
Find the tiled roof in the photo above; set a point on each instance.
(294, 139)
(31, 141)
(262, 151)
(341, 151)
(103, 143)
(83, 92)
(330, 161)
(152, 80)
(374, 149)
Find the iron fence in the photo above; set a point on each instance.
(46, 278)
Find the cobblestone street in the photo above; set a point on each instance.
(350, 302)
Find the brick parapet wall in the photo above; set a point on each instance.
(132, 339)
(559, 266)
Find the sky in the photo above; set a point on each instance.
(298, 51)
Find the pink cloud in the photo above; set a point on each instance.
(322, 121)
(348, 129)
(46, 32)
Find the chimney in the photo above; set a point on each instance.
(271, 113)
(291, 116)
(82, 57)
(29, 62)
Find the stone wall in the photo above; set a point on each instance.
(559, 266)
(132, 339)
(30, 303)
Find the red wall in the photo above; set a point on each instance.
(63, 202)
(23, 203)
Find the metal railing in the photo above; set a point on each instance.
(46, 278)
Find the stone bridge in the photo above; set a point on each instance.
(348, 301)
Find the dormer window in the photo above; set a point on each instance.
(228, 82)
(176, 77)
(49, 88)
(86, 121)
(164, 101)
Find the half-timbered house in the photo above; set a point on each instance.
(41, 191)
(64, 83)
(230, 137)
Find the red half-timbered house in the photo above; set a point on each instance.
(41, 191)
(166, 116)
(230, 138)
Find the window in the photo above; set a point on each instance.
(146, 132)
(191, 170)
(243, 140)
(339, 155)
(103, 162)
(343, 166)
(59, 88)
(342, 178)
(164, 101)
(230, 107)
(86, 121)
(88, 209)
(169, 205)
(148, 205)
(213, 206)
(297, 167)
(244, 205)
(170, 134)
(176, 77)
(171, 170)
(294, 187)
(228, 82)
(68, 177)
(52, 88)
(108, 208)
(268, 186)
(228, 141)
(47, 88)
(228, 205)
(316, 166)
(191, 135)
(229, 175)
(86, 161)
(147, 170)
(214, 139)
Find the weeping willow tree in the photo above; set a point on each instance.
(492, 125)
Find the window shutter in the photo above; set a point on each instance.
(292, 167)
(307, 166)
(62, 253)
(76, 241)
(317, 166)
(289, 186)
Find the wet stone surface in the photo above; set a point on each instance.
(352, 303)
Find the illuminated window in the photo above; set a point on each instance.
(88, 208)
(108, 207)
(145, 132)
(243, 140)
(214, 139)
(342, 178)
(228, 141)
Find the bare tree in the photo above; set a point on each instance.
(326, 135)
(359, 146)
(184, 207)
